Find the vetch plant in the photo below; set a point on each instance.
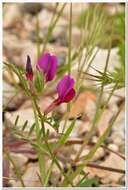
(66, 87)
(46, 68)
(65, 90)
(47, 64)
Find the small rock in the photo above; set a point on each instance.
(114, 99)
(23, 117)
(118, 131)
(76, 37)
(100, 58)
(75, 130)
(12, 15)
(118, 141)
(95, 139)
(90, 107)
(19, 159)
(85, 152)
(14, 48)
(83, 104)
(107, 176)
(30, 177)
(11, 101)
(45, 18)
(32, 8)
(113, 147)
(76, 7)
(84, 128)
(104, 121)
(59, 36)
(19, 50)
(5, 171)
(99, 154)
(10, 77)
(56, 176)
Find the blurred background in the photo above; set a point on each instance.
(25, 32)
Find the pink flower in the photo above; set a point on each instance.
(66, 92)
(29, 71)
(47, 63)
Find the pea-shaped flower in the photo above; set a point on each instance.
(66, 92)
(29, 71)
(47, 63)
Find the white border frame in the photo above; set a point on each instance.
(126, 91)
(1, 90)
(62, 1)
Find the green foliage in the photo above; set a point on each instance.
(122, 54)
(93, 182)
(88, 16)
(52, 123)
(120, 26)
(110, 24)
(39, 82)
(20, 72)
(95, 24)
(115, 77)
(65, 136)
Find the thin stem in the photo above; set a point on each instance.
(52, 26)
(69, 49)
(96, 146)
(104, 136)
(40, 155)
(95, 120)
(48, 173)
(16, 169)
(38, 36)
(70, 40)
(53, 157)
(93, 165)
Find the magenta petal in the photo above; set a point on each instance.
(64, 86)
(43, 62)
(48, 65)
(51, 71)
(65, 91)
(70, 95)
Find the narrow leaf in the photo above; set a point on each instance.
(31, 129)
(67, 133)
(25, 125)
(16, 121)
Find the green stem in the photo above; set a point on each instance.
(70, 41)
(69, 57)
(48, 174)
(16, 169)
(41, 157)
(38, 36)
(52, 26)
(53, 157)
(96, 117)
(96, 146)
